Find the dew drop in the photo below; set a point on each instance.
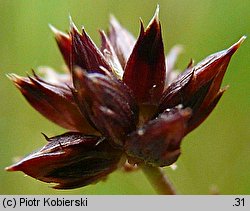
(140, 132)
(180, 106)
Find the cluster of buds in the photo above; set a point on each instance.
(123, 103)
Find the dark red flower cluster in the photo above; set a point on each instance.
(126, 95)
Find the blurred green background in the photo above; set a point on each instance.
(215, 157)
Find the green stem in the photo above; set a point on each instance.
(158, 180)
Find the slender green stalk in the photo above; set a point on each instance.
(158, 180)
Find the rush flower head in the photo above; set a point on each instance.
(123, 103)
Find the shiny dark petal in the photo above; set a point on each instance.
(85, 53)
(204, 110)
(215, 66)
(157, 143)
(64, 43)
(107, 103)
(54, 102)
(71, 160)
(175, 93)
(121, 40)
(145, 70)
(199, 83)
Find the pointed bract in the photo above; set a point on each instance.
(145, 70)
(198, 87)
(71, 160)
(54, 102)
(108, 104)
(85, 53)
(64, 43)
(158, 142)
(202, 113)
(121, 40)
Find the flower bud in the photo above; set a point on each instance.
(71, 160)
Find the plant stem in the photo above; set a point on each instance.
(158, 180)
